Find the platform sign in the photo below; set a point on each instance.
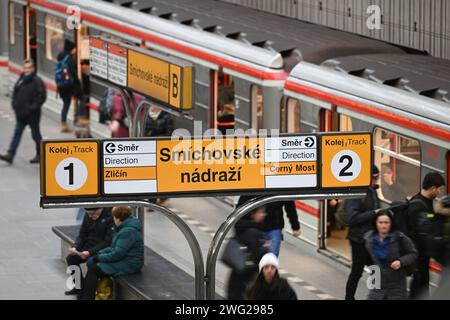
(209, 165)
(98, 57)
(118, 64)
(346, 160)
(70, 168)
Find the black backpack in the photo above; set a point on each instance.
(400, 211)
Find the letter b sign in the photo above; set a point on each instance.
(175, 81)
(175, 86)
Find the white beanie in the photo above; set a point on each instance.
(269, 259)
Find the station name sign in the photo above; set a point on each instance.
(165, 79)
(199, 166)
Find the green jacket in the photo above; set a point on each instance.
(126, 253)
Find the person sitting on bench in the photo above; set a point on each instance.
(95, 234)
(124, 256)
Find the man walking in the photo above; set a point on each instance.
(28, 97)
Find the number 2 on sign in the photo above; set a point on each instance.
(346, 166)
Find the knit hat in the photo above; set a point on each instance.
(68, 45)
(269, 259)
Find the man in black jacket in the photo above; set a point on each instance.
(274, 222)
(28, 97)
(432, 186)
(95, 234)
(360, 215)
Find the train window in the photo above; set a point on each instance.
(226, 107)
(12, 24)
(290, 115)
(399, 161)
(257, 107)
(54, 37)
(345, 123)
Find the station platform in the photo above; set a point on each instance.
(30, 263)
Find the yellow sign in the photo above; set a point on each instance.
(170, 83)
(70, 168)
(346, 160)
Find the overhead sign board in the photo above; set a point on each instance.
(70, 168)
(165, 79)
(232, 165)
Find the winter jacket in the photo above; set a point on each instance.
(162, 126)
(279, 289)
(393, 282)
(126, 253)
(360, 215)
(248, 233)
(275, 218)
(29, 95)
(95, 234)
(225, 122)
(413, 211)
(75, 88)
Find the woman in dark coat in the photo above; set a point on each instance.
(269, 285)
(124, 256)
(395, 256)
(249, 233)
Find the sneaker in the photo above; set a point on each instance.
(65, 128)
(72, 292)
(36, 159)
(7, 157)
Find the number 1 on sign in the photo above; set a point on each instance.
(70, 169)
(77, 174)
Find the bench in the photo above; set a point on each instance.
(159, 279)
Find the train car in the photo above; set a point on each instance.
(402, 99)
(3, 45)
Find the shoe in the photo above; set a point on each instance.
(82, 122)
(65, 128)
(36, 159)
(7, 157)
(72, 292)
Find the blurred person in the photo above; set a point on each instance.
(95, 234)
(269, 285)
(391, 189)
(248, 232)
(225, 119)
(418, 214)
(360, 216)
(29, 95)
(394, 254)
(124, 256)
(274, 222)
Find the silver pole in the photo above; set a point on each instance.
(182, 226)
(237, 214)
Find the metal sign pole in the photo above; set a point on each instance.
(236, 215)
(182, 226)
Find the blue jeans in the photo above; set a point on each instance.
(67, 100)
(275, 236)
(18, 131)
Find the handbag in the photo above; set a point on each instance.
(237, 257)
(105, 289)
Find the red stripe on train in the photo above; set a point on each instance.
(308, 209)
(260, 74)
(368, 110)
(3, 64)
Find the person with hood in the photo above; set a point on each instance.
(95, 234)
(159, 123)
(274, 222)
(360, 214)
(124, 256)
(72, 90)
(28, 97)
(393, 253)
(269, 285)
(248, 232)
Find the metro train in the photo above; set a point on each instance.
(275, 73)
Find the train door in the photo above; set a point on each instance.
(223, 113)
(30, 44)
(16, 13)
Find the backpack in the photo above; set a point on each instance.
(341, 215)
(400, 218)
(63, 77)
(106, 106)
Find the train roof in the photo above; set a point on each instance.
(422, 75)
(268, 40)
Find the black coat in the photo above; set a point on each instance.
(28, 97)
(393, 282)
(249, 234)
(96, 235)
(75, 88)
(275, 218)
(413, 211)
(361, 215)
(162, 126)
(279, 289)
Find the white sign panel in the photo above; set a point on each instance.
(118, 65)
(99, 58)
